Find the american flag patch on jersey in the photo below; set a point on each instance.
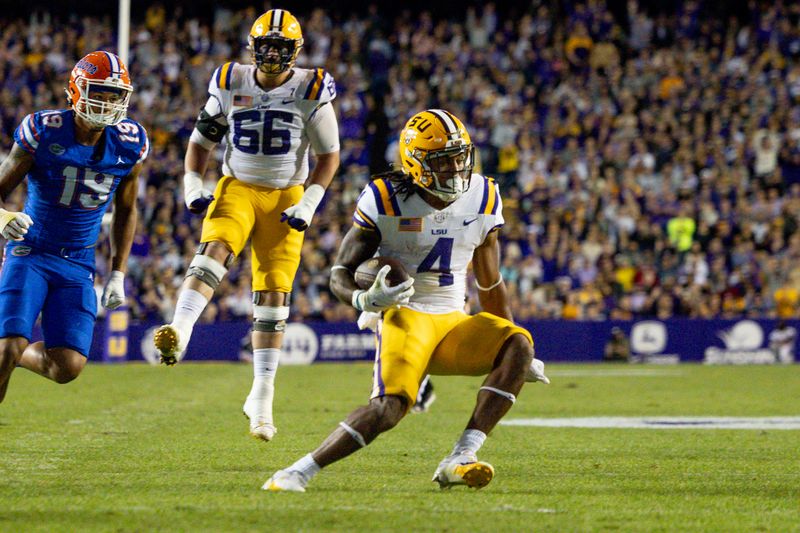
(410, 224)
(242, 99)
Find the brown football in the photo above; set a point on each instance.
(366, 272)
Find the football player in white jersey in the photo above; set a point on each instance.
(271, 114)
(436, 217)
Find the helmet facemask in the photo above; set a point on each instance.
(287, 51)
(100, 112)
(446, 173)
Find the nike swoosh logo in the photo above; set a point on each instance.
(468, 222)
(289, 101)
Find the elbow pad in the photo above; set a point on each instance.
(209, 127)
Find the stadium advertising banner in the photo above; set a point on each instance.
(651, 341)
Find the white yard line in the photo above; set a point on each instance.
(663, 422)
(617, 372)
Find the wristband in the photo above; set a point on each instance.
(356, 295)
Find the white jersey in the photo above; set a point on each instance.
(435, 246)
(269, 132)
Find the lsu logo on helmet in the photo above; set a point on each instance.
(275, 41)
(438, 154)
(100, 72)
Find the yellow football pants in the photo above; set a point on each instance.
(412, 344)
(242, 211)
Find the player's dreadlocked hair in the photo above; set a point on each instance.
(402, 183)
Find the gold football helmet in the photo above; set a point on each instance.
(276, 29)
(436, 150)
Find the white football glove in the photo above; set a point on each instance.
(196, 196)
(114, 291)
(380, 296)
(535, 372)
(14, 225)
(299, 216)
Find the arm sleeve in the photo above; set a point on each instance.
(145, 150)
(499, 221)
(215, 111)
(214, 108)
(366, 213)
(29, 132)
(320, 87)
(491, 207)
(219, 92)
(323, 130)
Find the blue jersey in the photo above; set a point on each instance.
(70, 185)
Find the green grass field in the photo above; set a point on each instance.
(139, 448)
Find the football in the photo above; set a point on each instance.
(366, 272)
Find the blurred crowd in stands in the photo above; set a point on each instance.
(649, 162)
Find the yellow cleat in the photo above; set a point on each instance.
(463, 470)
(167, 341)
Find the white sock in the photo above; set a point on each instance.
(265, 363)
(470, 442)
(265, 366)
(307, 466)
(188, 309)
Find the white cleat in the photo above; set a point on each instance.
(261, 427)
(535, 372)
(171, 343)
(463, 469)
(286, 481)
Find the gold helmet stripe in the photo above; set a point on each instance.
(449, 124)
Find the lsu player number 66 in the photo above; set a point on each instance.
(436, 216)
(271, 114)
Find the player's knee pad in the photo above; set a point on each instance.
(507, 395)
(208, 270)
(270, 319)
(260, 298)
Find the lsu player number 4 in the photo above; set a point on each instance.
(436, 216)
(271, 116)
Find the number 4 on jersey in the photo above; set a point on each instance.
(442, 251)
